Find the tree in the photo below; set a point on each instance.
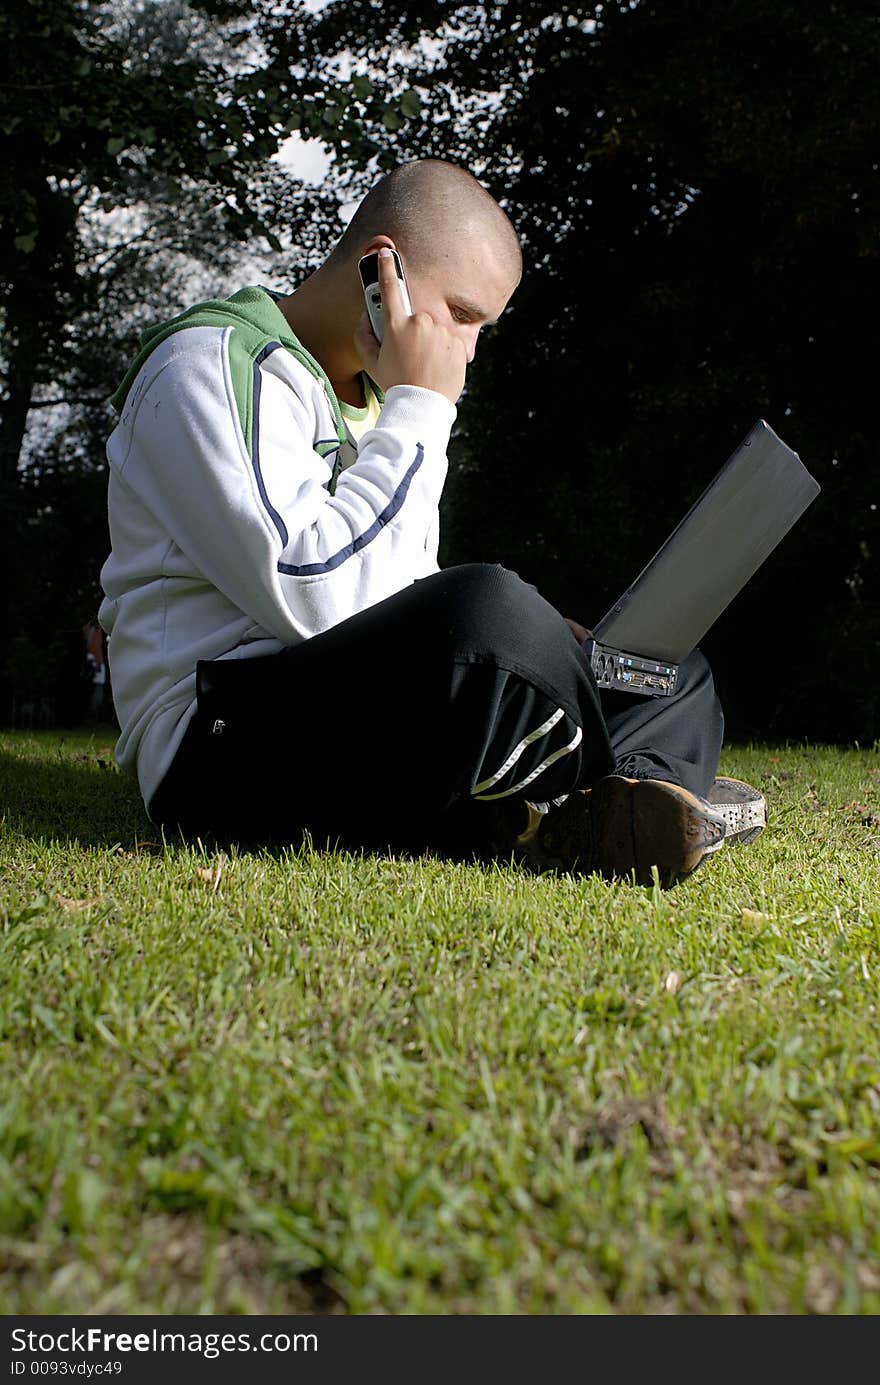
(696, 189)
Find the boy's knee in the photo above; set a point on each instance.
(484, 579)
(486, 610)
(694, 671)
(486, 594)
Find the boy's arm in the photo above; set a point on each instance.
(255, 516)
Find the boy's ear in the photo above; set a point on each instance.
(377, 243)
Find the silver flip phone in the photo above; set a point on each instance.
(368, 268)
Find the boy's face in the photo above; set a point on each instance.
(464, 289)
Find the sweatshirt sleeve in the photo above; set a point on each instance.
(254, 514)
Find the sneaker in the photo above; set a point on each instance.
(743, 808)
(623, 828)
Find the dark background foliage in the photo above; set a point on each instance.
(696, 191)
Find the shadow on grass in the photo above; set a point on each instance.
(68, 790)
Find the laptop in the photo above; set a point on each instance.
(757, 496)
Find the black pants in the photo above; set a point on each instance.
(425, 722)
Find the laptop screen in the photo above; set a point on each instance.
(724, 538)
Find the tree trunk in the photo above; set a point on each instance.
(35, 307)
(20, 344)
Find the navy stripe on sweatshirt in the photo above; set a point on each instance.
(357, 545)
(255, 442)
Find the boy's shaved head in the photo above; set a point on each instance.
(462, 259)
(425, 207)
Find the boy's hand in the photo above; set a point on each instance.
(579, 631)
(415, 350)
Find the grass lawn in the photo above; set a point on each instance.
(313, 1082)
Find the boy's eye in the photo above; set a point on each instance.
(461, 315)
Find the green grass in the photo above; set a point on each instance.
(317, 1082)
